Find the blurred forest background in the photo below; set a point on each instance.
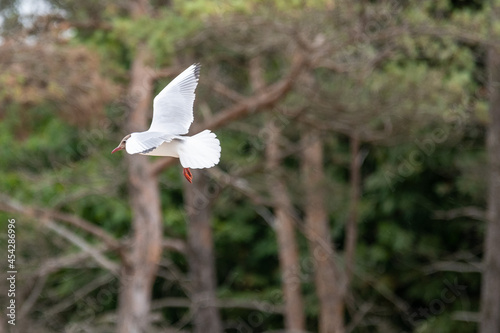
(358, 189)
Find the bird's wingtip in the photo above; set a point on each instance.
(197, 67)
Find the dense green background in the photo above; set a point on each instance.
(412, 84)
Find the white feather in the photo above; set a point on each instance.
(200, 151)
(167, 148)
(173, 106)
(144, 141)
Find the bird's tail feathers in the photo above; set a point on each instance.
(200, 151)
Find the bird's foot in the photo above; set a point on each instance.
(188, 175)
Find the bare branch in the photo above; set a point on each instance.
(239, 184)
(47, 216)
(73, 238)
(70, 260)
(469, 316)
(358, 317)
(177, 245)
(10, 205)
(242, 186)
(454, 266)
(227, 92)
(175, 274)
(269, 96)
(80, 223)
(28, 303)
(78, 294)
(475, 213)
(181, 302)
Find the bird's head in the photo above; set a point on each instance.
(122, 144)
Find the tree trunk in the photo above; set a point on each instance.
(329, 285)
(201, 256)
(285, 232)
(490, 294)
(140, 267)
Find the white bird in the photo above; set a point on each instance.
(172, 117)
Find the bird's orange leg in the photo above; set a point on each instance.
(188, 175)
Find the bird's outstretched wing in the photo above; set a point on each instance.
(145, 142)
(173, 106)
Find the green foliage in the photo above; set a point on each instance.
(160, 35)
(417, 109)
(209, 8)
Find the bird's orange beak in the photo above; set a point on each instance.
(116, 149)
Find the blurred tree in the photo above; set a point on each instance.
(201, 257)
(140, 265)
(285, 233)
(395, 80)
(490, 292)
(330, 279)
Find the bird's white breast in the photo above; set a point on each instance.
(166, 149)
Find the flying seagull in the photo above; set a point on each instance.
(172, 116)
